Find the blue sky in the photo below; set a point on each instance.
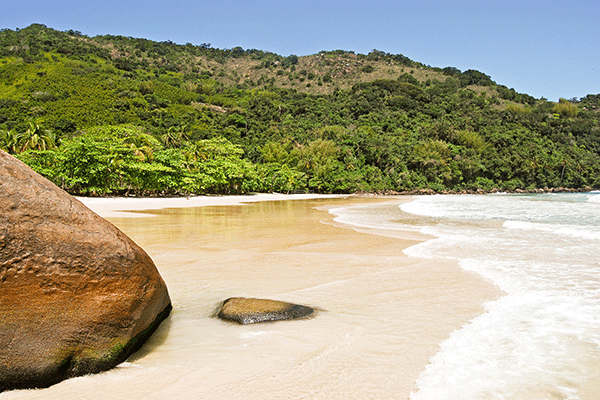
(545, 48)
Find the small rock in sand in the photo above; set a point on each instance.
(250, 311)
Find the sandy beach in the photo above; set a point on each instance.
(383, 314)
(117, 207)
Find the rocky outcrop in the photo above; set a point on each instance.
(250, 311)
(77, 296)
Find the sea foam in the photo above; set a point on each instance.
(542, 338)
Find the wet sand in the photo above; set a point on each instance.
(383, 314)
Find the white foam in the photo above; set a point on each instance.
(573, 231)
(595, 198)
(542, 340)
(379, 217)
(507, 354)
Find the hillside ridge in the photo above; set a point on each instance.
(120, 115)
(320, 73)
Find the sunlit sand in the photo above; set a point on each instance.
(382, 315)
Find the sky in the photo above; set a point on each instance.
(545, 48)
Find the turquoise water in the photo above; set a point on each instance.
(541, 340)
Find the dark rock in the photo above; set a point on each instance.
(77, 296)
(250, 311)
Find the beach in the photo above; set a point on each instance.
(382, 315)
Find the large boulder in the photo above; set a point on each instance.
(77, 296)
(249, 311)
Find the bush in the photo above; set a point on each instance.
(566, 109)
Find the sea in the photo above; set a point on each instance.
(541, 338)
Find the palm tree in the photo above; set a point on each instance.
(35, 138)
(8, 141)
(143, 145)
(174, 137)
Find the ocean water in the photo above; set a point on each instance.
(541, 338)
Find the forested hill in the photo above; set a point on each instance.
(112, 114)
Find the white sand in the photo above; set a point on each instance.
(117, 207)
(384, 314)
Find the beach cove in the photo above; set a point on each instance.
(383, 314)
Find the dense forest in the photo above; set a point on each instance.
(119, 115)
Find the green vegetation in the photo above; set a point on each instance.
(118, 115)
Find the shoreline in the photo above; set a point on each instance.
(122, 206)
(432, 298)
(429, 191)
(133, 207)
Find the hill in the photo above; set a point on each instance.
(113, 114)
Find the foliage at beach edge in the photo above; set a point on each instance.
(119, 115)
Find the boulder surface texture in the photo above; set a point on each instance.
(249, 311)
(77, 296)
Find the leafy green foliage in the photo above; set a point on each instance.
(121, 159)
(118, 115)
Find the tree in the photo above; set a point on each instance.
(318, 160)
(175, 137)
(35, 138)
(216, 166)
(8, 141)
(143, 145)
